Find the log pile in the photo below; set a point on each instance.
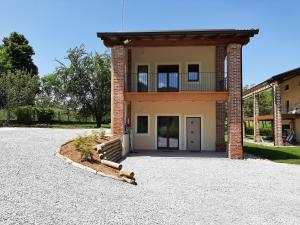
(110, 153)
(110, 150)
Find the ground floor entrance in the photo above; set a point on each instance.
(168, 132)
(193, 133)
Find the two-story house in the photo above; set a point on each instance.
(286, 105)
(171, 89)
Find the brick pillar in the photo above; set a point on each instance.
(129, 71)
(256, 134)
(277, 115)
(220, 106)
(234, 75)
(117, 90)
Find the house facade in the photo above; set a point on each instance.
(286, 105)
(170, 88)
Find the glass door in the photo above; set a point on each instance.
(168, 132)
(168, 78)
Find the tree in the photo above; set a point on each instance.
(18, 88)
(86, 82)
(16, 54)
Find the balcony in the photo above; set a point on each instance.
(175, 86)
(293, 109)
(175, 82)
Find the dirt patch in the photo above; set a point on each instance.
(68, 150)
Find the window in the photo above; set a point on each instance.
(287, 106)
(142, 124)
(193, 72)
(286, 87)
(142, 84)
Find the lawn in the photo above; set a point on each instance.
(276, 154)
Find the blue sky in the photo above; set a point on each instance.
(53, 26)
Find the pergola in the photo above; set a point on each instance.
(277, 116)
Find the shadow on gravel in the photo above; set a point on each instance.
(176, 153)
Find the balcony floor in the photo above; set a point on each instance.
(176, 96)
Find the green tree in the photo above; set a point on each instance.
(18, 88)
(16, 54)
(86, 82)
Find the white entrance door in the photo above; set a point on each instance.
(193, 133)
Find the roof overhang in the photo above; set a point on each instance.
(177, 37)
(267, 83)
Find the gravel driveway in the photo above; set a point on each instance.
(38, 188)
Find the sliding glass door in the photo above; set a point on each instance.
(168, 78)
(168, 132)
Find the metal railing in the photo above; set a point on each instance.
(291, 109)
(175, 82)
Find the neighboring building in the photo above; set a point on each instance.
(286, 105)
(170, 87)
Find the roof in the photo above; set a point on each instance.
(279, 77)
(165, 37)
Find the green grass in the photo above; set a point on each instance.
(64, 125)
(276, 154)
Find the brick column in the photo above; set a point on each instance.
(256, 134)
(234, 75)
(117, 90)
(129, 71)
(277, 115)
(220, 106)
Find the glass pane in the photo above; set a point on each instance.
(193, 76)
(174, 132)
(162, 82)
(142, 124)
(143, 78)
(173, 82)
(193, 68)
(143, 82)
(162, 129)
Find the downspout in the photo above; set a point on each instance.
(242, 104)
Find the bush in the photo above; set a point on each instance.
(44, 115)
(25, 114)
(264, 131)
(85, 150)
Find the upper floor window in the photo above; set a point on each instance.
(287, 106)
(142, 85)
(286, 87)
(193, 72)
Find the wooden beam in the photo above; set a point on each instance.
(187, 42)
(157, 42)
(271, 117)
(176, 96)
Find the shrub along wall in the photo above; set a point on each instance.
(28, 114)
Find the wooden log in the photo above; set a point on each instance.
(110, 143)
(116, 158)
(107, 151)
(111, 164)
(113, 155)
(128, 180)
(107, 148)
(126, 173)
(101, 156)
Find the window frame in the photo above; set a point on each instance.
(199, 72)
(148, 124)
(137, 76)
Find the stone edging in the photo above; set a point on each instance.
(69, 161)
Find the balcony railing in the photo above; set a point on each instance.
(291, 109)
(175, 82)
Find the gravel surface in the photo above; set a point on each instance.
(173, 188)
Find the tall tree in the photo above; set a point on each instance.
(18, 89)
(16, 54)
(87, 82)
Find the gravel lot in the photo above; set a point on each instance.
(38, 188)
